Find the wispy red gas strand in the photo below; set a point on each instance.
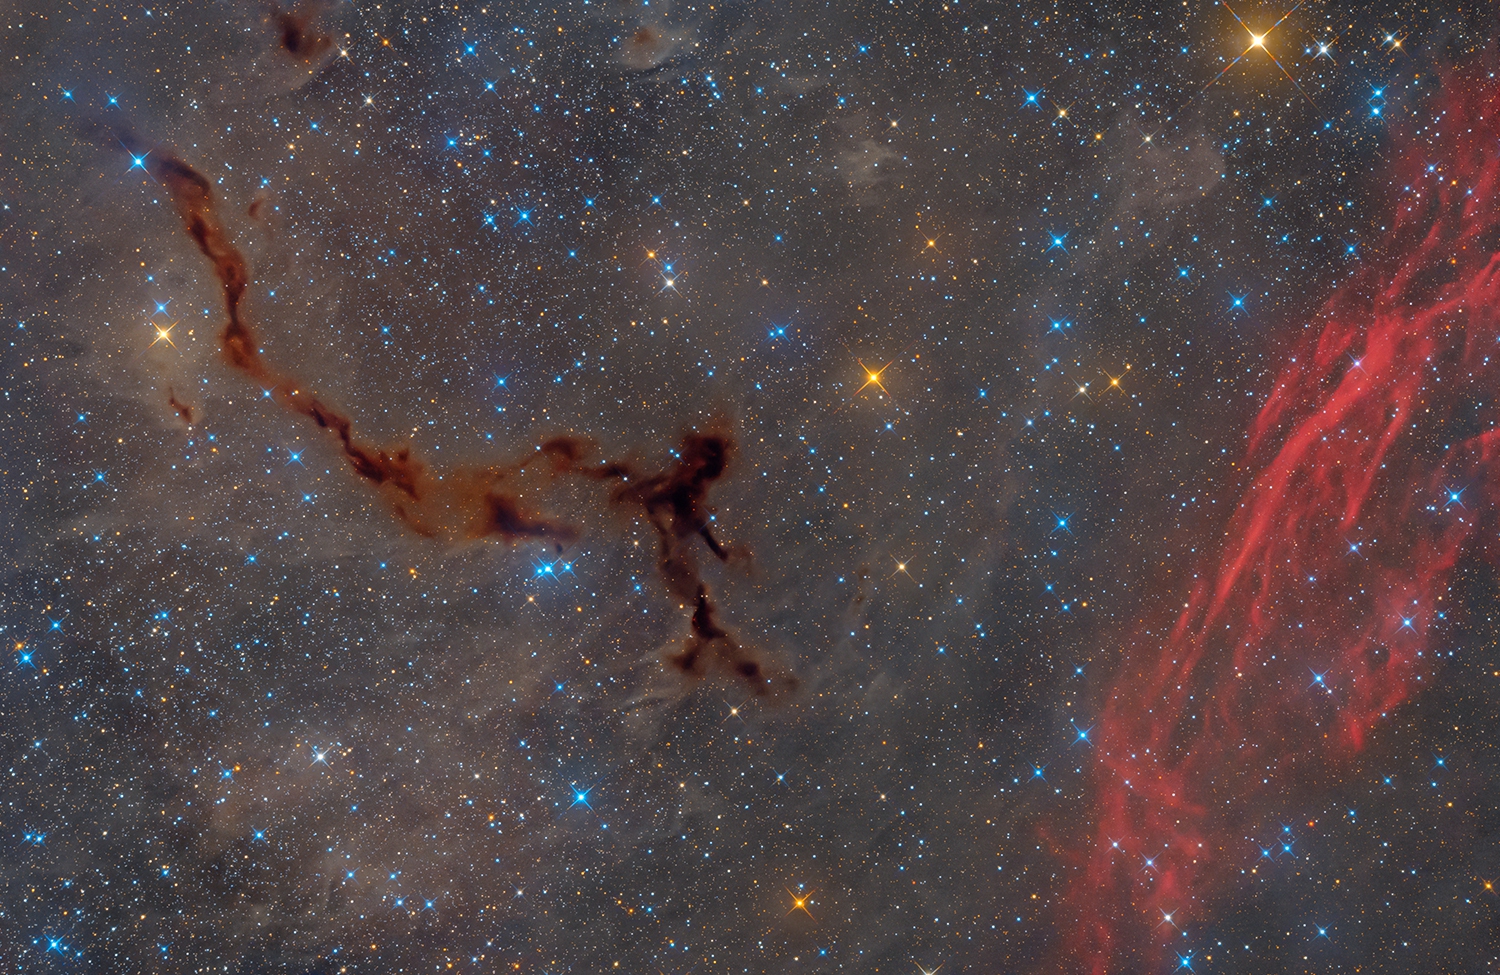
(1374, 466)
(673, 501)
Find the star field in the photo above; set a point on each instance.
(663, 488)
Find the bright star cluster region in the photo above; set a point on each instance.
(655, 487)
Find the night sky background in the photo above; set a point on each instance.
(1102, 578)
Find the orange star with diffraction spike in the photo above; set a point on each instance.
(164, 334)
(872, 377)
(1114, 381)
(799, 903)
(1258, 43)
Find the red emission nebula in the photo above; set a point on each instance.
(1320, 613)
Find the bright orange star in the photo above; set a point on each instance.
(164, 334)
(799, 903)
(872, 377)
(1258, 43)
(1114, 381)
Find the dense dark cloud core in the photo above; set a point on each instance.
(750, 488)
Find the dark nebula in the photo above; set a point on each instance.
(179, 407)
(297, 35)
(750, 489)
(674, 501)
